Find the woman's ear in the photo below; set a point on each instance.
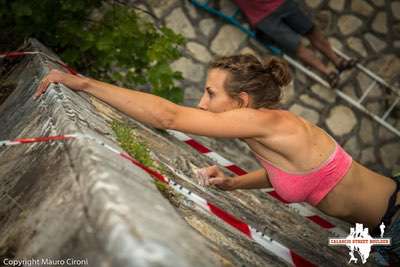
(244, 100)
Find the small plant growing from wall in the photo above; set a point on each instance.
(138, 149)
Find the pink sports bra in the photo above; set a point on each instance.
(311, 186)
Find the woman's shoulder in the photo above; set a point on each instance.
(278, 114)
(287, 120)
(283, 127)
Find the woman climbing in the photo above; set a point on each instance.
(301, 161)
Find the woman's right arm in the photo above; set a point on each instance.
(253, 180)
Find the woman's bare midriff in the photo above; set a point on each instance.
(362, 196)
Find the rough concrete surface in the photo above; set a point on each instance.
(74, 198)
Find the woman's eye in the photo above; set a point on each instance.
(209, 92)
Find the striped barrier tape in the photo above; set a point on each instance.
(303, 211)
(14, 54)
(250, 232)
(19, 141)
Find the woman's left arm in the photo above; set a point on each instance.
(161, 113)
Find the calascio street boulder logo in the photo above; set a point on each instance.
(360, 241)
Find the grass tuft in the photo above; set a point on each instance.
(131, 144)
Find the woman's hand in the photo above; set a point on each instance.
(73, 82)
(214, 176)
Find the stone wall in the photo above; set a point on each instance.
(369, 30)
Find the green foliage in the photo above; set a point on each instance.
(131, 144)
(139, 150)
(101, 38)
(161, 186)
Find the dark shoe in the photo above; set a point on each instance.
(333, 79)
(347, 64)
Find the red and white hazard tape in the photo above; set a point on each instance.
(266, 242)
(303, 211)
(14, 54)
(35, 140)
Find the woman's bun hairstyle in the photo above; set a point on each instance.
(279, 70)
(261, 79)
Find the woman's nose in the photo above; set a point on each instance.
(203, 103)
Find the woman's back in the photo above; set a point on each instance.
(296, 146)
(301, 147)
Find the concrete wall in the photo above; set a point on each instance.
(75, 199)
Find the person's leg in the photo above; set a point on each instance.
(276, 28)
(301, 24)
(319, 41)
(308, 57)
(291, 43)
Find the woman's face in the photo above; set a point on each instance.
(215, 98)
